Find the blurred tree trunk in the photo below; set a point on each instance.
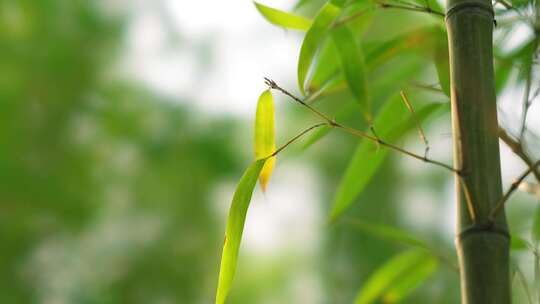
(483, 249)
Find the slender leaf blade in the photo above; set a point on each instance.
(442, 63)
(387, 233)
(411, 281)
(283, 19)
(517, 243)
(235, 228)
(536, 227)
(314, 37)
(389, 273)
(522, 281)
(265, 140)
(352, 64)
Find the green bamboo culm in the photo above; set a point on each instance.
(483, 247)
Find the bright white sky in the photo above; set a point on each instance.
(239, 45)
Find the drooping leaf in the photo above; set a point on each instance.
(327, 63)
(441, 59)
(313, 39)
(537, 275)
(390, 125)
(352, 64)
(265, 140)
(415, 41)
(326, 67)
(392, 272)
(517, 243)
(520, 279)
(503, 70)
(536, 227)
(411, 281)
(235, 227)
(387, 233)
(283, 19)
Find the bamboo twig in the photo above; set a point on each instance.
(332, 122)
(517, 148)
(417, 121)
(513, 187)
(292, 140)
(412, 7)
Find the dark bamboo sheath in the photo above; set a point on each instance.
(483, 249)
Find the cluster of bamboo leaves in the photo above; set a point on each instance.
(333, 58)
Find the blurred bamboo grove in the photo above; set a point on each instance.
(103, 185)
(112, 192)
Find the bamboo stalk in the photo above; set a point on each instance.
(483, 248)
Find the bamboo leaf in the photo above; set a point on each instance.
(387, 233)
(441, 61)
(327, 64)
(265, 140)
(536, 227)
(520, 278)
(412, 280)
(352, 64)
(314, 37)
(283, 19)
(390, 125)
(390, 273)
(325, 68)
(235, 227)
(517, 243)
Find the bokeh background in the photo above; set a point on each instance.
(124, 127)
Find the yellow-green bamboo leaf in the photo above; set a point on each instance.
(265, 140)
(283, 19)
(235, 227)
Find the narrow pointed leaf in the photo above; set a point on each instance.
(390, 125)
(517, 243)
(235, 227)
(536, 227)
(265, 141)
(522, 281)
(411, 281)
(352, 64)
(326, 67)
(327, 64)
(283, 19)
(387, 233)
(313, 39)
(398, 267)
(442, 64)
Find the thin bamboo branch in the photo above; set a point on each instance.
(412, 7)
(517, 148)
(333, 123)
(418, 124)
(295, 138)
(495, 211)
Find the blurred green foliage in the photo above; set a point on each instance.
(104, 187)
